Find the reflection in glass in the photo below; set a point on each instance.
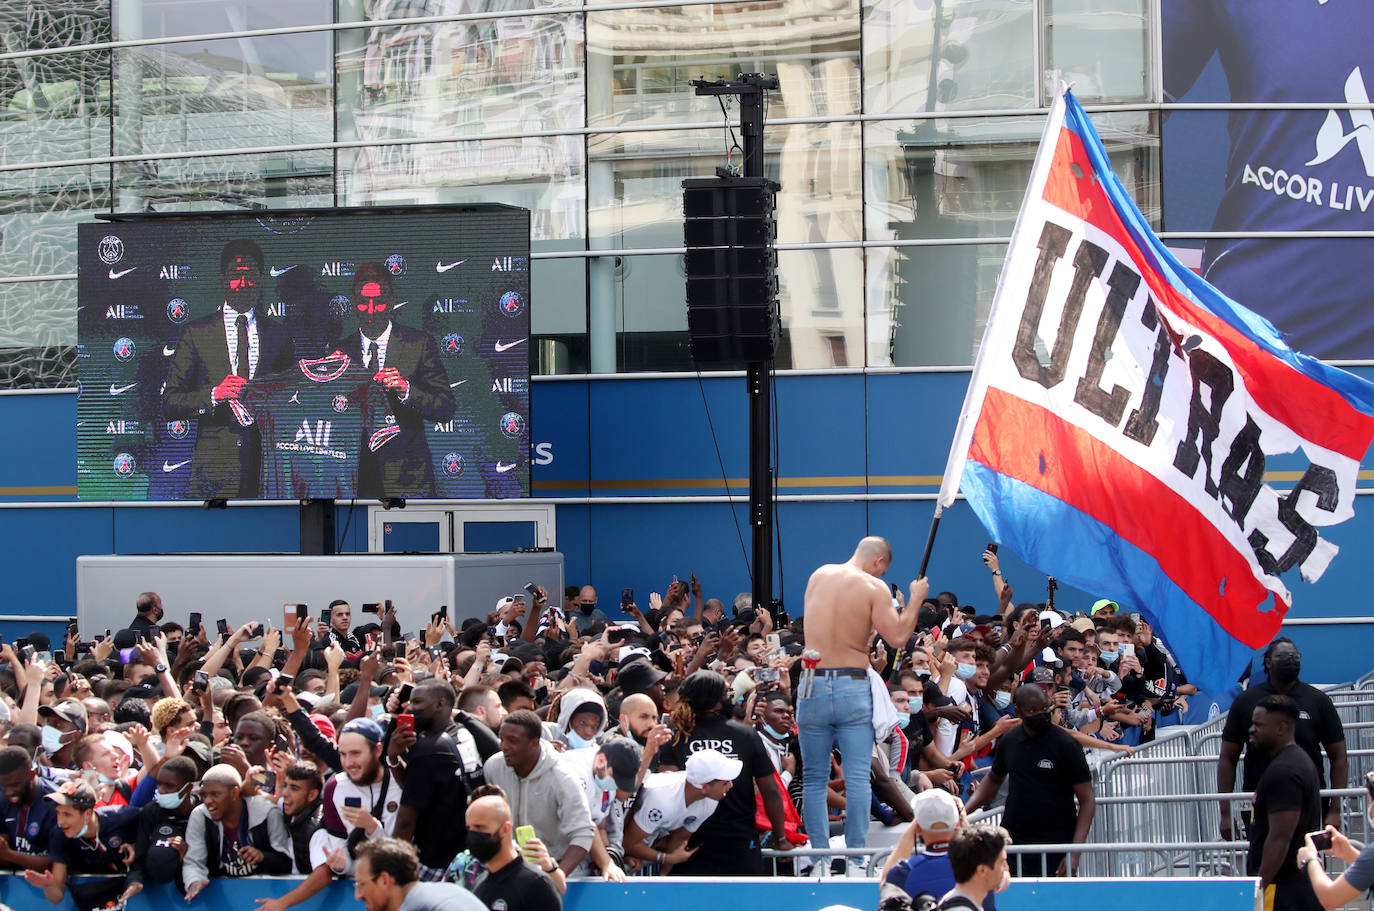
(641, 62)
(262, 92)
(1100, 47)
(948, 55)
(506, 76)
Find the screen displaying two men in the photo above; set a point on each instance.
(296, 355)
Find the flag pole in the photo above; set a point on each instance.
(930, 541)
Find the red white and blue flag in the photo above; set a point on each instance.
(1121, 412)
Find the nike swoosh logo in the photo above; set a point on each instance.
(117, 390)
(457, 384)
(440, 267)
(503, 467)
(502, 346)
(114, 274)
(168, 351)
(274, 271)
(398, 306)
(168, 467)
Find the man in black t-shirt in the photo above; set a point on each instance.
(1319, 725)
(1287, 806)
(727, 842)
(1048, 771)
(510, 883)
(434, 795)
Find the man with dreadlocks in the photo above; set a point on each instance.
(727, 843)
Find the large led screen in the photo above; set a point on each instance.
(387, 355)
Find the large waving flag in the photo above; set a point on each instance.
(1121, 411)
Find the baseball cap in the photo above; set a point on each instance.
(1103, 603)
(364, 726)
(76, 794)
(1082, 624)
(1053, 617)
(325, 725)
(68, 710)
(623, 757)
(705, 766)
(1042, 674)
(935, 811)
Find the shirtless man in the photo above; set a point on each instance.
(845, 603)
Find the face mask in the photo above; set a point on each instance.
(85, 827)
(377, 711)
(53, 740)
(903, 719)
(575, 742)
(1006, 881)
(1001, 699)
(606, 784)
(170, 801)
(1284, 668)
(483, 846)
(1110, 657)
(965, 671)
(1037, 724)
(106, 779)
(923, 673)
(780, 735)
(586, 608)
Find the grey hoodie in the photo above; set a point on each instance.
(550, 799)
(574, 699)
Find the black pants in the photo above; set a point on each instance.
(728, 859)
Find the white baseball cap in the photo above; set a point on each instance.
(935, 811)
(705, 766)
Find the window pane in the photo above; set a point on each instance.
(641, 62)
(1101, 47)
(948, 55)
(965, 177)
(558, 318)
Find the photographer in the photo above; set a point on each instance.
(1358, 877)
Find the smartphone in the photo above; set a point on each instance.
(222, 626)
(769, 675)
(774, 641)
(21, 643)
(193, 627)
(1128, 648)
(992, 547)
(523, 834)
(665, 719)
(389, 606)
(403, 694)
(443, 611)
(353, 802)
(533, 591)
(372, 608)
(627, 597)
(405, 722)
(99, 638)
(45, 657)
(283, 683)
(325, 615)
(256, 632)
(1320, 840)
(202, 679)
(302, 611)
(619, 635)
(289, 619)
(26, 654)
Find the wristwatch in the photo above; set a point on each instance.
(160, 667)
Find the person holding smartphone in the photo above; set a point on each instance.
(1358, 877)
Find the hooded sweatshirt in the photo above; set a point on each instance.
(550, 799)
(261, 825)
(573, 700)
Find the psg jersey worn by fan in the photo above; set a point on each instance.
(1293, 170)
(118, 827)
(312, 421)
(32, 829)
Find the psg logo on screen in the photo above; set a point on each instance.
(110, 249)
(451, 345)
(453, 464)
(340, 403)
(512, 425)
(512, 304)
(178, 310)
(396, 265)
(124, 348)
(338, 304)
(178, 429)
(124, 465)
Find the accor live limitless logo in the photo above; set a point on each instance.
(1332, 140)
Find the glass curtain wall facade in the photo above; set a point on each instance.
(902, 136)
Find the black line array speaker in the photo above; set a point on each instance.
(732, 269)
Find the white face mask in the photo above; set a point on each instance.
(1006, 881)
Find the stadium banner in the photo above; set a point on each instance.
(1120, 414)
(388, 354)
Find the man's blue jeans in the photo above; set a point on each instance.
(838, 711)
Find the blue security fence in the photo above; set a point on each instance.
(672, 894)
(852, 440)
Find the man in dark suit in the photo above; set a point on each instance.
(405, 363)
(215, 357)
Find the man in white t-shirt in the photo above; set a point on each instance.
(609, 775)
(673, 805)
(957, 666)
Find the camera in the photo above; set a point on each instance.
(1320, 840)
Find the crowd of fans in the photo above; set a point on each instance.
(496, 759)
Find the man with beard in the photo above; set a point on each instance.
(31, 830)
(405, 363)
(213, 360)
(300, 788)
(1319, 725)
(435, 793)
(508, 878)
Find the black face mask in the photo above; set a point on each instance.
(1038, 723)
(1284, 668)
(586, 608)
(483, 846)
